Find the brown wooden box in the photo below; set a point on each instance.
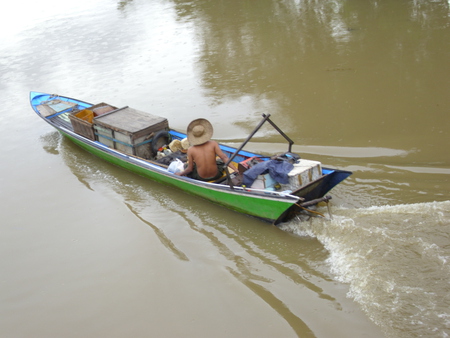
(102, 108)
(81, 126)
(84, 127)
(129, 130)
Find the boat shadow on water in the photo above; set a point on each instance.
(383, 255)
(257, 254)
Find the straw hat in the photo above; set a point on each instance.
(199, 131)
(175, 145)
(184, 144)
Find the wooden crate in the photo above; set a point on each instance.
(129, 130)
(102, 108)
(83, 126)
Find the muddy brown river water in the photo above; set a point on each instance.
(88, 249)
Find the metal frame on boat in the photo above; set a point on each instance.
(271, 205)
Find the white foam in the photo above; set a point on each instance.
(395, 260)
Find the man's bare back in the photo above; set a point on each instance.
(204, 158)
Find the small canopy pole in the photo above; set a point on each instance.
(265, 118)
(281, 133)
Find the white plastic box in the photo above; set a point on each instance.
(264, 182)
(304, 172)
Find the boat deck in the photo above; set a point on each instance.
(60, 121)
(309, 190)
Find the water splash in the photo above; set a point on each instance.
(396, 262)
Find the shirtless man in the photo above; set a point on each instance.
(202, 153)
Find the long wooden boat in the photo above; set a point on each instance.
(275, 204)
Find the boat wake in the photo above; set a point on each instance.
(395, 260)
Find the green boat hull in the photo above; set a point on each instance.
(274, 206)
(268, 207)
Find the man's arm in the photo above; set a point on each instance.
(224, 157)
(190, 166)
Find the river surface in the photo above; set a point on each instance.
(90, 250)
